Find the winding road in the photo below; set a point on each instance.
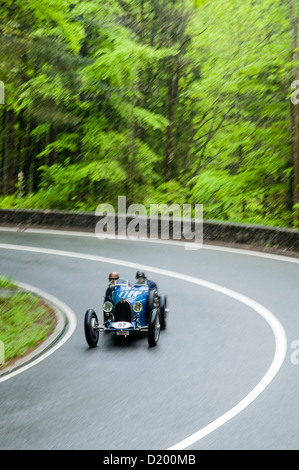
(224, 374)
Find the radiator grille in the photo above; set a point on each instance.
(123, 312)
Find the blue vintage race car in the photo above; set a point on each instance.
(130, 309)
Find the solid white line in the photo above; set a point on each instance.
(238, 251)
(280, 352)
(269, 317)
(72, 322)
(259, 254)
(181, 243)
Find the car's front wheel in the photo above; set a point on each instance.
(90, 328)
(154, 328)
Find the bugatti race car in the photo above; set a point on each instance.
(130, 309)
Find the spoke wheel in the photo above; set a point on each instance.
(154, 328)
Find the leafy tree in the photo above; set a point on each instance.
(245, 83)
(159, 100)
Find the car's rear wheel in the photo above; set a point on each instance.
(163, 310)
(154, 328)
(90, 328)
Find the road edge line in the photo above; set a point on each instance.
(66, 325)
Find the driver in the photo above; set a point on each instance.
(113, 278)
(141, 277)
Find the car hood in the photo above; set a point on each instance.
(131, 294)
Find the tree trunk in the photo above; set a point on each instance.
(173, 94)
(9, 154)
(28, 156)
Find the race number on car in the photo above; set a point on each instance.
(120, 325)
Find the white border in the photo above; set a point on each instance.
(269, 317)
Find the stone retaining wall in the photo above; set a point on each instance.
(231, 233)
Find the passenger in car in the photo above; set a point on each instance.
(113, 278)
(141, 278)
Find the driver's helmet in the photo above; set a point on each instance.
(140, 276)
(113, 277)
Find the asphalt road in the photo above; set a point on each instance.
(223, 371)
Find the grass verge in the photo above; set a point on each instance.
(26, 321)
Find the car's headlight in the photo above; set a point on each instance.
(137, 307)
(108, 307)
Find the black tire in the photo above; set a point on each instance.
(154, 328)
(91, 333)
(163, 310)
(150, 304)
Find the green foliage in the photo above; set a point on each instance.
(7, 283)
(164, 102)
(25, 322)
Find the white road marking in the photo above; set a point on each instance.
(238, 251)
(72, 322)
(269, 317)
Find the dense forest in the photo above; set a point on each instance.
(161, 101)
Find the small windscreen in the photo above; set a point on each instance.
(122, 282)
(142, 282)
